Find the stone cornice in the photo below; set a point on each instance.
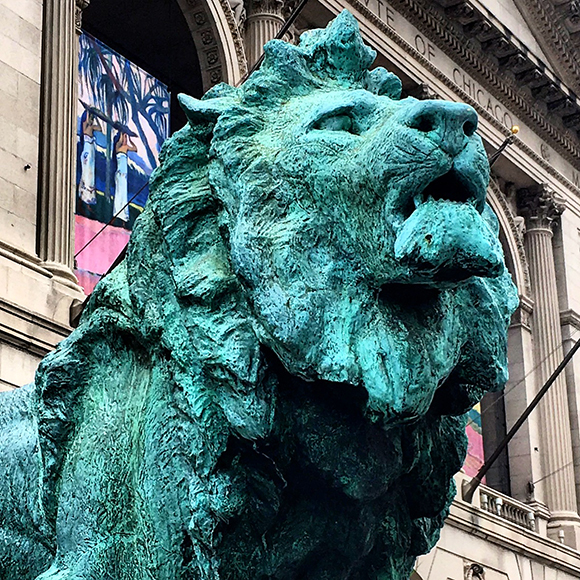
(461, 30)
(548, 22)
(570, 317)
(27, 330)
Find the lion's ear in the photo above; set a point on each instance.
(206, 111)
(382, 82)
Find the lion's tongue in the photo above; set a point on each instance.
(447, 241)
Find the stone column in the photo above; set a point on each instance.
(541, 210)
(58, 132)
(264, 19)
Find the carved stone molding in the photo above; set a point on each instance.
(424, 91)
(570, 318)
(517, 234)
(215, 50)
(17, 322)
(265, 7)
(236, 19)
(523, 315)
(474, 572)
(558, 41)
(239, 11)
(540, 207)
(448, 29)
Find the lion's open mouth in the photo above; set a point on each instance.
(446, 239)
(451, 186)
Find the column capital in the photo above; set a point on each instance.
(264, 19)
(281, 8)
(80, 5)
(540, 206)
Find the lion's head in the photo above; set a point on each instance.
(313, 297)
(356, 222)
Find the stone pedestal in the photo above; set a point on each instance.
(541, 210)
(264, 20)
(58, 131)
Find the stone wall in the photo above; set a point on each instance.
(20, 58)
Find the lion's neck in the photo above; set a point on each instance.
(320, 508)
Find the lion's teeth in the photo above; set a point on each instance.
(418, 200)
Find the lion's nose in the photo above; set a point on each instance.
(448, 124)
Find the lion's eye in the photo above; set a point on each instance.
(342, 122)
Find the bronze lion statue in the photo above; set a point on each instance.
(272, 385)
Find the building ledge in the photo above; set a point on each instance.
(27, 330)
(495, 524)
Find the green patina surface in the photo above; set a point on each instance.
(272, 384)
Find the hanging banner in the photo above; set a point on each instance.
(475, 455)
(123, 119)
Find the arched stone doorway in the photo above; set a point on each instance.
(212, 52)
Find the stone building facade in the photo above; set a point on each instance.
(515, 61)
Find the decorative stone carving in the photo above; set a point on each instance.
(80, 6)
(523, 314)
(556, 35)
(436, 27)
(265, 7)
(272, 384)
(474, 572)
(239, 11)
(424, 91)
(216, 33)
(236, 28)
(443, 26)
(540, 207)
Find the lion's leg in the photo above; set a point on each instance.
(26, 548)
(122, 493)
